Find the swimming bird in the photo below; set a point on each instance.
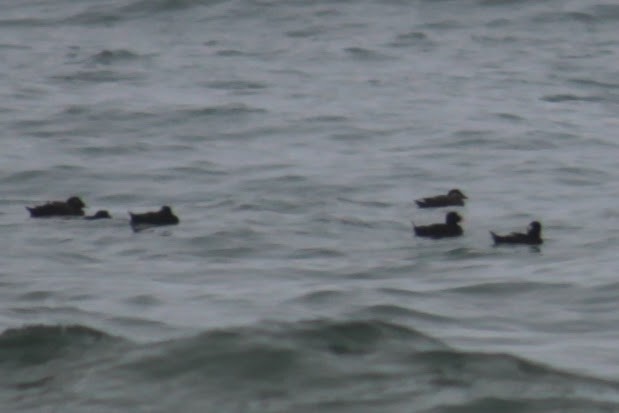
(71, 207)
(164, 216)
(455, 197)
(532, 237)
(101, 214)
(449, 229)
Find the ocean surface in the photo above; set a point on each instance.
(292, 138)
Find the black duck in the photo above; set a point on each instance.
(532, 237)
(455, 197)
(71, 207)
(164, 216)
(449, 229)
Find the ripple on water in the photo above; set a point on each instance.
(391, 311)
(37, 295)
(320, 297)
(144, 300)
(364, 54)
(110, 57)
(412, 39)
(316, 253)
(237, 85)
(509, 288)
(99, 76)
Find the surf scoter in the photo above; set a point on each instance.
(455, 197)
(101, 214)
(449, 229)
(71, 207)
(532, 237)
(164, 216)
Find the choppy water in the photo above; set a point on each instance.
(292, 139)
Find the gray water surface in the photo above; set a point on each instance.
(292, 139)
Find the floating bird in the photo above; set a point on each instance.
(532, 237)
(71, 207)
(162, 217)
(449, 229)
(101, 214)
(455, 197)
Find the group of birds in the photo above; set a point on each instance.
(74, 206)
(451, 227)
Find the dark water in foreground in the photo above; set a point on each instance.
(292, 139)
(282, 367)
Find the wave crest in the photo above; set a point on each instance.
(37, 344)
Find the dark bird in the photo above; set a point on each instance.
(455, 197)
(72, 207)
(532, 237)
(101, 214)
(164, 216)
(449, 229)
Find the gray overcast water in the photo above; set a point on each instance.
(292, 139)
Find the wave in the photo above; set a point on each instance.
(387, 311)
(318, 365)
(331, 219)
(320, 297)
(500, 2)
(105, 13)
(594, 83)
(314, 253)
(24, 176)
(162, 6)
(98, 76)
(231, 53)
(563, 17)
(413, 38)
(508, 288)
(308, 366)
(10, 46)
(39, 344)
(221, 110)
(362, 53)
(284, 344)
(114, 13)
(236, 85)
(108, 57)
(511, 117)
(22, 21)
(606, 12)
(568, 97)
(307, 31)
